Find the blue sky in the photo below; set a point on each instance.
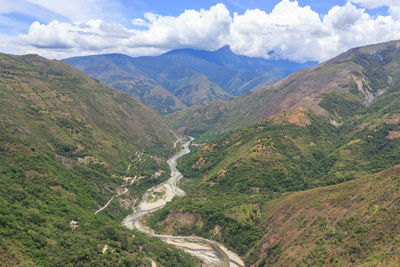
(166, 8)
(281, 28)
(125, 10)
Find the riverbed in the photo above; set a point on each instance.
(209, 251)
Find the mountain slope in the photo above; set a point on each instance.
(239, 74)
(225, 57)
(241, 186)
(199, 89)
(355, 223)
(119, 72)
(169, 68)
(66, 142)
(356, 76)
(233, 73)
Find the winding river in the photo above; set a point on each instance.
(210, 252)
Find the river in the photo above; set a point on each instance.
(210, 252)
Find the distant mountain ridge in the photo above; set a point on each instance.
(226, 57)
(357, 77)
(155, 80)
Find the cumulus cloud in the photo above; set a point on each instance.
(299, 33)
(205, 29)
(91, 35)
(393, 5)
(289, 31)
(377, 3)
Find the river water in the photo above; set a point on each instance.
(210, 252)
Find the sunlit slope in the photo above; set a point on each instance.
(330, 136)
(334, 89)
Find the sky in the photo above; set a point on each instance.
(300, 30)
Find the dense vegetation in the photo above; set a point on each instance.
(314, 184)
(236, 181)
(354, 223)
(230, 181)
(66, 142)
(39, 197)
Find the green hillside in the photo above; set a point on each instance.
(304, 172)
(199, 89)
(241, 186)
(351, 224)
(66, 144)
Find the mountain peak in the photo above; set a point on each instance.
(179, 51)
(225, 48)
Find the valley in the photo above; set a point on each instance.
(200, 133)
(67, 143)
(209, 251)
(330, 138)
(301, 172)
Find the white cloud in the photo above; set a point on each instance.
(289, 31)
(376, 3)
(140, 22)
(72, 9)
(393, 5)
(299, 33)
(91, 35)
(206, 29)
(352, 27)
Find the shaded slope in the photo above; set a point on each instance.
(234, 74)
(199, 89)
(230, 71)
(66, 142)
(225, 57)
(169, 69)
(119, 72)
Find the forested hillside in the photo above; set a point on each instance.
(68, 144)
(241, 186)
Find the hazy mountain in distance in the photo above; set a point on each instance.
(232, 73)
(119, 72)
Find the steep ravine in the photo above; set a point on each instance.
(211, 252)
